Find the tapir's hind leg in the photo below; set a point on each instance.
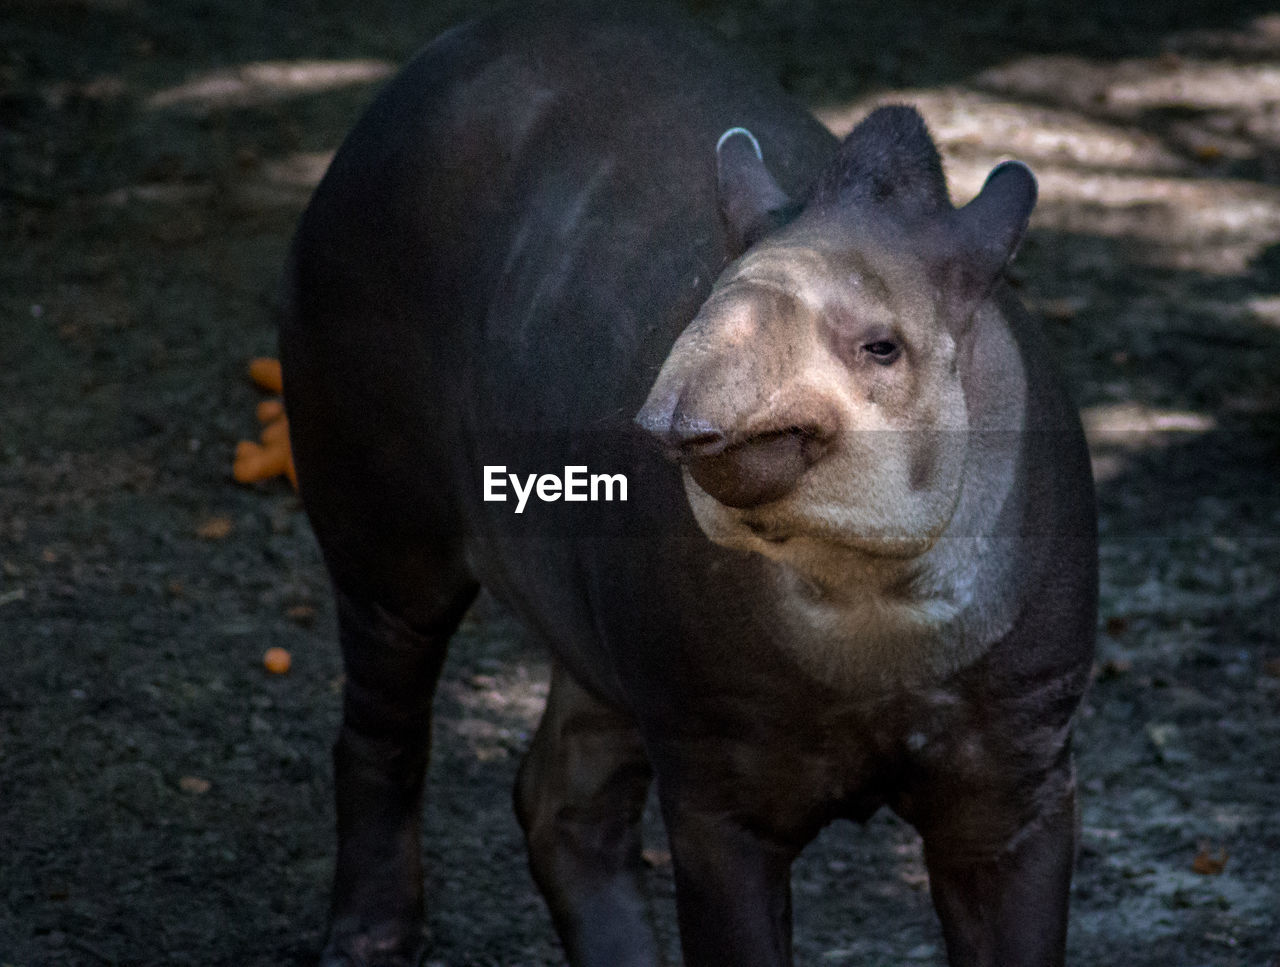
(380, 760)
(580, 795)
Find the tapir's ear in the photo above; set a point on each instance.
(750, 200)
(990, 228)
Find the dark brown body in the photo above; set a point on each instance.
(493, 272)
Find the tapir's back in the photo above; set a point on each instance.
(548, 182)
(501, 255)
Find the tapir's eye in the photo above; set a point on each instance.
(883, 351)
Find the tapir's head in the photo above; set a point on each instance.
(818, 398)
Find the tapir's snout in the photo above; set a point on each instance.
(737, 468)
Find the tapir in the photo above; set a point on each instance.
(856, 563)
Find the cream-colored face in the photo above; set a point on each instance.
(848, 347)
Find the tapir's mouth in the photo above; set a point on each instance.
(888, 547)
(766, 532)
(757, 470)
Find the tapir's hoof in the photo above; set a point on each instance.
(391, 943)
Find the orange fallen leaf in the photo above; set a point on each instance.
(272, 455)
(303, 614)
(277, 660)
(270, 410)
(194, 785)
(267, 374)
(1209, 864)
(276, 434)
(214, 528)
(254, 462)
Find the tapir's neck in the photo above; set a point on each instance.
(890, 620)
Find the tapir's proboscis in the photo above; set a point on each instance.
(856, 563)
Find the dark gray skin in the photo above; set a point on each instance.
(511, 262)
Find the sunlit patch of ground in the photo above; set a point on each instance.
(1108, 159)
(252, 85)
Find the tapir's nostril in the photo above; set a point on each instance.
(696, 438)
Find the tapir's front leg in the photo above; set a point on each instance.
(733, 890)
(1009, 910)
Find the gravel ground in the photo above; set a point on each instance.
(163, 800)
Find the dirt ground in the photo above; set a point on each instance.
(164, 800)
